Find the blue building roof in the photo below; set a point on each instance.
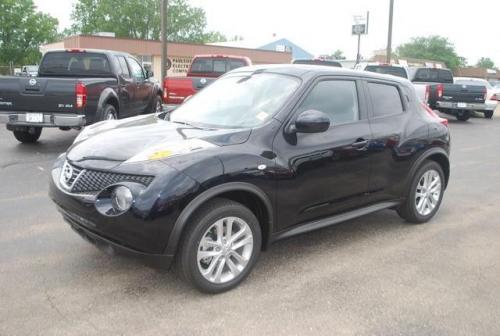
(287, 45)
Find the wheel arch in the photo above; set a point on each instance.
(247, 194)
(438, 155)
(108, 97)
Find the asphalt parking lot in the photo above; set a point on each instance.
(372, 276)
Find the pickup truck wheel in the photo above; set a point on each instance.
(157, 104)
(488, 114)
(109, 113)
(220, 247)
(463, 115)
(30, 135)
(425, 194)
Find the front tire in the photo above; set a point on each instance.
(30, 135)
(425, 194)
(488, 114)
(220, 247)
(156, 104)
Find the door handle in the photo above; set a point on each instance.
(360, 144)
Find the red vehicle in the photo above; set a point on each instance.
(204, 69)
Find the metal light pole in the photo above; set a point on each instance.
(389, 37)
(164, 8)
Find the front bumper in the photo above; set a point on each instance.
(49, 119)
(464, 106)
(111, 247)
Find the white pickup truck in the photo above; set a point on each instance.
(398, 70)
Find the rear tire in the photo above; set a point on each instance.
(424, 195)
(463, 115)
(208, 235)
(488, 114)
(108, 113)
(30, 135)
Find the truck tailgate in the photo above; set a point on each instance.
(37, 94)
(463, 93)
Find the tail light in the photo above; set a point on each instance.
(427, 93)
(439, 90)
(165, 93)
(435, 115)
(494, 97)
(81, 95)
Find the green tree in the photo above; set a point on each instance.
(435, 48)
(23, 30)
(140, 19)
(485, 63)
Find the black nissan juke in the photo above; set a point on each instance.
(262, 154)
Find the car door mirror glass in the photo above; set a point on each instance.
(311, 121)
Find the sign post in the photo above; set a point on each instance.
(360, 27)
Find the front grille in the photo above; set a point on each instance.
(93, 181)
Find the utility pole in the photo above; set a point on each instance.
(358, 55)
(164, 8)
(389, 37)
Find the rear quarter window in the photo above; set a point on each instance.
(386, 99)
(75, 64)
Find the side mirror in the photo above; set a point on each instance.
(311, 121)
(149, 74)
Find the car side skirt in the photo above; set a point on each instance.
(325, 222)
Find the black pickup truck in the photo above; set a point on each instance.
(444, 96)
(75, 88)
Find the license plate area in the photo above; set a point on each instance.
(34, 117)
(461, 105)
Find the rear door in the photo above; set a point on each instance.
(127, 88)
(325, 173)
(388, 121)
(142, 87)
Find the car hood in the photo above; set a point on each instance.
(147, 138)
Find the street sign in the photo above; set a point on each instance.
(359, 29)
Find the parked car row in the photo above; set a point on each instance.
(437, 88)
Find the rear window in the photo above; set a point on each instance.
(434, 76)
(387, 70)
(318, 62)
(210, 65)
(75, 64)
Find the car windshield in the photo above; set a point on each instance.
(387, 70)
(242, 100)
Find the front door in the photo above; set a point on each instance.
(323, 174)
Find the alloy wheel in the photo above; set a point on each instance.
(225, 250)
(428, 192)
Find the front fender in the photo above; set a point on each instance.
(183, 219)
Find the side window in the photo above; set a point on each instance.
(124, 71)
(386, 99)
(136, 69)
(337, 98)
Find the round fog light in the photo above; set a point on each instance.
(121, 199)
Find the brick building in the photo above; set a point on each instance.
(181, 54)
